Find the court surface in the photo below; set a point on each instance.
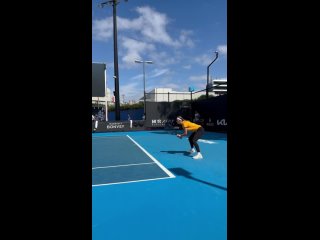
(145, 186)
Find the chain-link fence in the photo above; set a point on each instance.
(161, 95)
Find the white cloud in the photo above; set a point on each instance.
(222, 49)
(184, 38)
(134, 49)
(132, 90)
(162, 58)
(150, 25)
(128, 24)
(176, 87)
(137, 77)
(154, 26)
(187, 66)
(158, 72)
(138, 37)
(206, 59)
(200, 86)
(102, 29)
(198, 78)
(203, 59)
(155, 73)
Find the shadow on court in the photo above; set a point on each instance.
(186, 153)
(186, 174)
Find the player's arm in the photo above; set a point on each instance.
(185, 133)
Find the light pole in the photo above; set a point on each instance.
(144, 84)
(115, 52)
(207, 90)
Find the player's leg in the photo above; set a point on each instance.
(192, 142)
(197, 136)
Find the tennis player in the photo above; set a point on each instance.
(197, 130)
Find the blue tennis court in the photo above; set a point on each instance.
(146, 186)
(120, 159)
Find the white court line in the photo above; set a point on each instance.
(143, 180)
(206, 141)
(155, 160)
(127, 165)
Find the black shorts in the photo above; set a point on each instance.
(197, 134)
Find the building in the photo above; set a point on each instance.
(218, 86)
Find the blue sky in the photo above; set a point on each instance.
(179, 36)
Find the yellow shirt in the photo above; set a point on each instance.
(190, 126)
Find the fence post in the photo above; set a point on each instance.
(168, 97)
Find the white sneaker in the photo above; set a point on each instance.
(191, 151)
(198, 156)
